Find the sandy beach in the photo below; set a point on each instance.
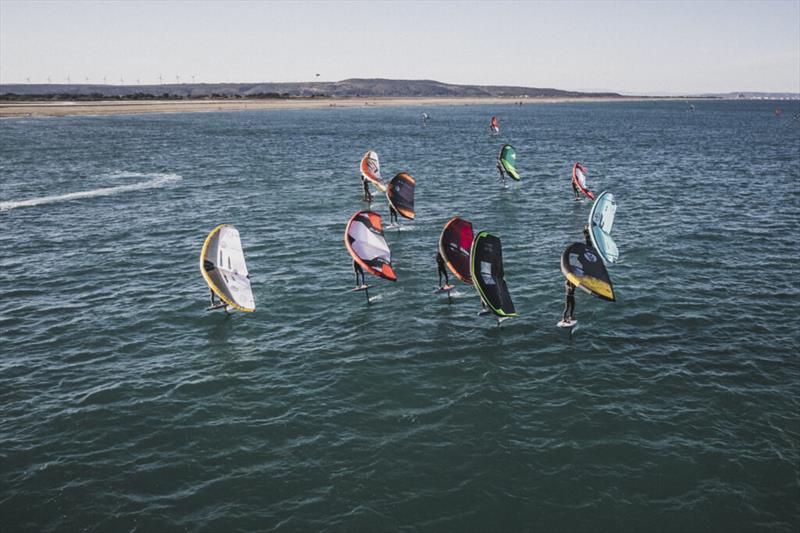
(125, 107)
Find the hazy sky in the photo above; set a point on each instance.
(634, 47)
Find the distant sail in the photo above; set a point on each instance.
(455, 244)
(508, 158)
(584, 269)
(579, 179)
(494, 125)
(486, 269)
(601, 219)
(364, 239)
(223, 267)
(371, 170)
(401, 194)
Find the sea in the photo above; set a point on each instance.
(126, 406)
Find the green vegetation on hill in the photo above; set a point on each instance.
(97, 96)
(366, 88)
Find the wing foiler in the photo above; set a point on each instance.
(508, 158)
(601, 219)
(223, 267)
(579, 173)
(583, 268)
(455, 244)
(486, 269)
(371, 170)
(401, 194)
(366, 244)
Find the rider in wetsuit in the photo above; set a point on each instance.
(501, 171)
(586, 236)
(357, 270)
(367, 194)
(442, 270)
(569, 301)
(393, 215)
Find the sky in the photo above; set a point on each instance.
(646, 47)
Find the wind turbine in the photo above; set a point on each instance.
(29, 79)
(160, 82)
(48, 79)
(177, 78)
(192, 78)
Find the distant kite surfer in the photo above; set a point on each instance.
(357, 270)
(569, 301)
(393, 216)
(442, 271)
(367, 194)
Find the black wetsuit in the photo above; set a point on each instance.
(442, 270)
(367, 194)
(569, 300)
(500, 170)
(576, 191)
(586, 237)
(393, 215)
(357, 270)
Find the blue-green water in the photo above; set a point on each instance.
(127, 407)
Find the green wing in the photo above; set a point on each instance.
(508, 158)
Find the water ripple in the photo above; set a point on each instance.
(127, 407)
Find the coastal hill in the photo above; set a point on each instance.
(355, 87)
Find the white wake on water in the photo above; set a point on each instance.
(156, 181)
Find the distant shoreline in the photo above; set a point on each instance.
(127, 107)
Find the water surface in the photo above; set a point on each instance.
(126, 407)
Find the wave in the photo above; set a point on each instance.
(160, 180)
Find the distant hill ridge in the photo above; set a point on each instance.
(355, 87)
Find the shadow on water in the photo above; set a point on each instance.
(221, 326)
